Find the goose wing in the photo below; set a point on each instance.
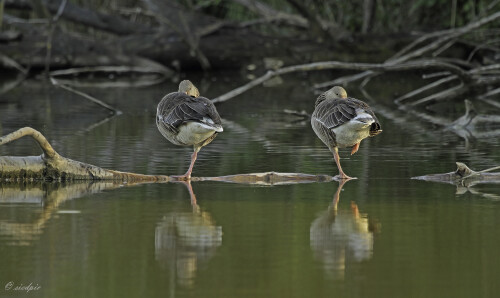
(178, 108)
(333, 113)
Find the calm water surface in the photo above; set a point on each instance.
(388, 236)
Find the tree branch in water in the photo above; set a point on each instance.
(51, 166)
(327, 65)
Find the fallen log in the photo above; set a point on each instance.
(50, 166)
(53, 167)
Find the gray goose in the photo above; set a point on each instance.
(341, 121)
(186, 119)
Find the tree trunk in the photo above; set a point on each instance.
(368, 15)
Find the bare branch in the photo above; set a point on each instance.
(424, 88)
(35, 134)
(270, 13)
(85, 95)
(464, 76)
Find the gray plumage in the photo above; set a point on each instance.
(177, 109)
(184, 118)
(340, 121)
(334, 112)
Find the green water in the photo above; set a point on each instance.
(390, 236)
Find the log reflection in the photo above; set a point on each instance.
(340, 238)
(25, 228)
(184, 241)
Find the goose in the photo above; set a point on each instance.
(186, 119)
(340, 121)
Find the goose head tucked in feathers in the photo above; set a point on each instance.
(334, 93)
(189, 88)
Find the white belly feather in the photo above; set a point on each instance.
(192, 133)
(353, 131)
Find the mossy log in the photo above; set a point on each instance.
(50, 166)
(53, 167)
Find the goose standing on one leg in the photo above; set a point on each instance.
(340, 121)
(184, 118)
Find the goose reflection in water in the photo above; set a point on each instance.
(184, 241)
(339, 238)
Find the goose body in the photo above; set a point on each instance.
(186, 119)
(341, 121)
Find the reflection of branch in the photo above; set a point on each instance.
(97, 124)
(269, 178)
(51, 194)
(489, 196)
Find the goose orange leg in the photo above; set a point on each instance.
(187, 175)
(337, 161)
(355, 148)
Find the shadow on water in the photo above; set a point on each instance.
(185, 241)
(340, 238)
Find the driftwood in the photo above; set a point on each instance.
(464, 176)
(329, 65)
(54, 167)
(469, 76)
(50, 166)
(470, 126)
(441, 39)
(465, 76)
